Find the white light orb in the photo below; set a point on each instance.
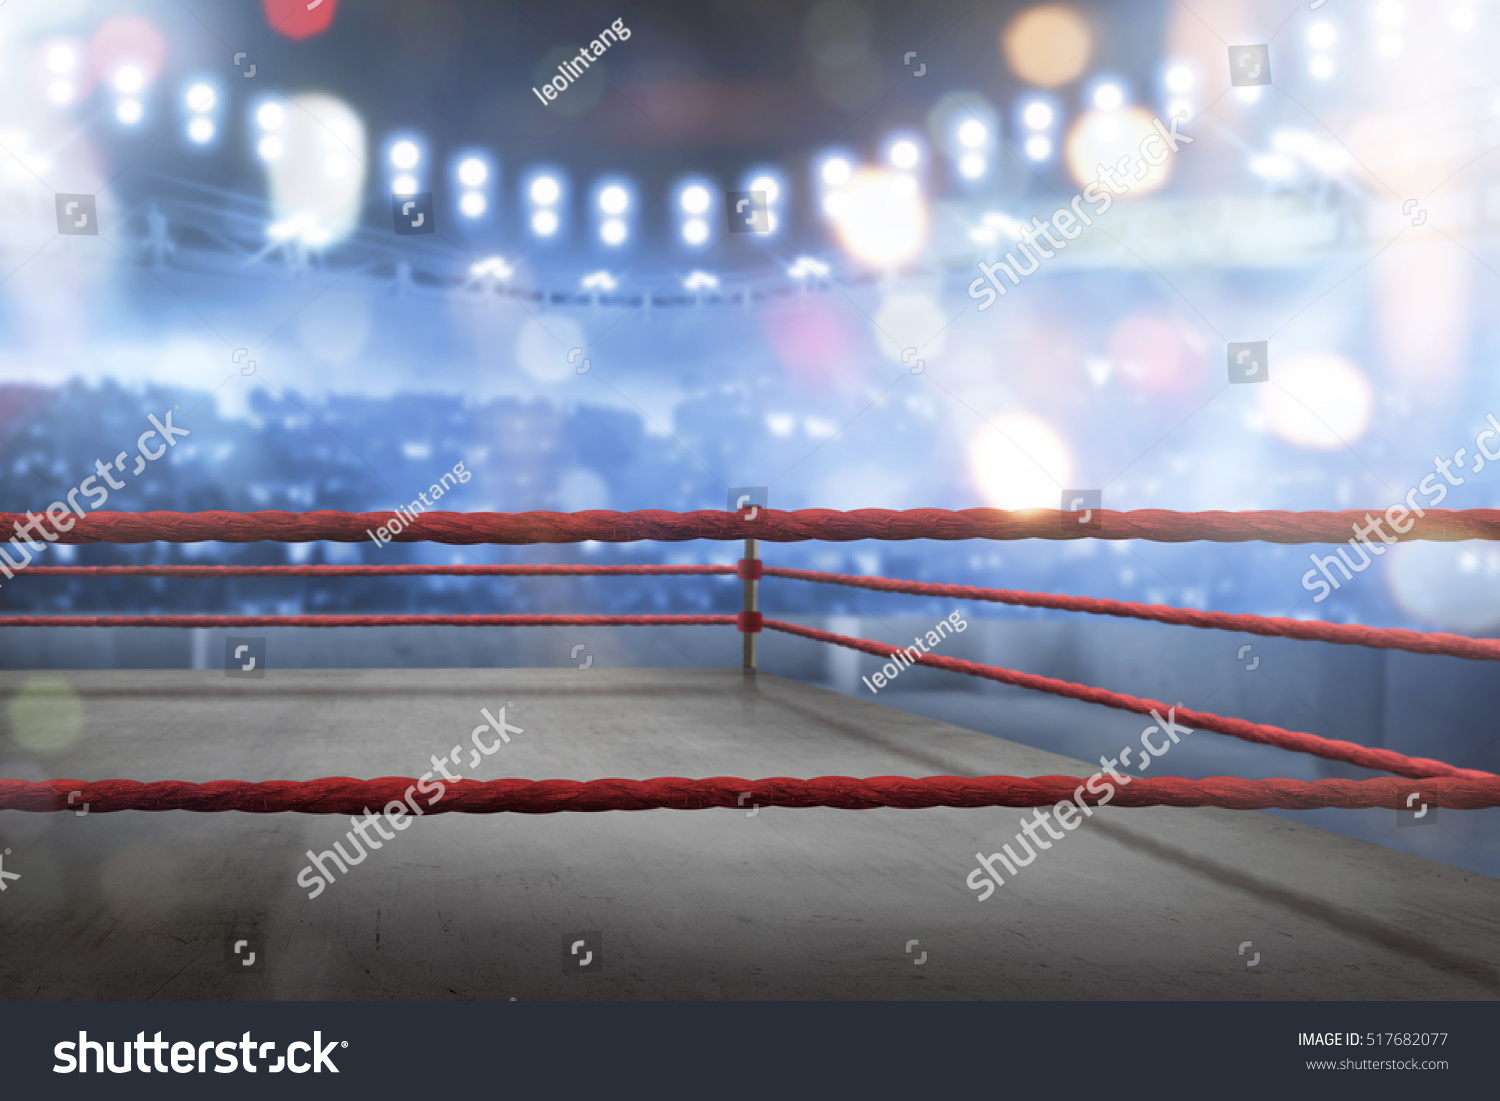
(62, 59)
(200, 130)
(270, 116)
(1037, 115)
(695, 199)
(972, 133)
(905, 154)
(544, 223)
(613, 199)
(1018, 461)
(612, 232)
(472, 172)
(880, 218)
(201, 97)
(472, 205)
(695, 231)
(129, 79)
(405, 154)
(545, 190)
(1317, 400)
(767, 187)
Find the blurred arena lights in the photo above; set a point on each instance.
(806, 266)
(769, 184)
(1110, 137)
(404, 156)
(475, 176)
(61, 58)
(1321, 37)
(317, 177)
(1018, 461)
(834, 169)
(613, 203)
(493, 267)
(1273, 167)
(700, 281)
(1038, 118)
(599, 281)
(972, 140)
(200, 100)
(1179, 80)
(128, 81)
(1108, 95)
(694, 201)
(903, 153)
(1048, 45)
(1317, 400)
(880, 217)
(544, 193)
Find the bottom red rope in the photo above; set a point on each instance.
(342, 795)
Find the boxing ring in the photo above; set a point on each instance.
(1340, 892)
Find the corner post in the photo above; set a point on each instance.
(750, 571)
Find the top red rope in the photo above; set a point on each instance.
(772, 526)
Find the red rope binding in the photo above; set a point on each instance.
(1297, 741)
(343, 795)
(369, 621)
(776, 527)
(1380, 638)
(394, 569)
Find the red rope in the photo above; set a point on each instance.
(343, 795)
(1381, 638)
(369, 621)
(393, 570)
(770, 525)
(1294, 740)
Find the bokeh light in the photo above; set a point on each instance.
(880, 217)
(1019, 461)
(1158, 354)
(1113, 139)
(1317, 400)
(1452, 586)
(1048, 45)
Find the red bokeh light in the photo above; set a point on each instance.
(1158, 354)
(127, 40)
(300, 18)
